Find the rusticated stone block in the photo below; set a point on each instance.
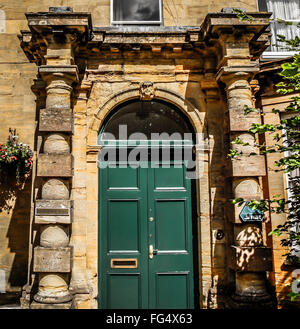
(250, 259)
(49, 260)
(53, 211)
(245, 166)
(54, 165)
(241, 122)
(54, 119)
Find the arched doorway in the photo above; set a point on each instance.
(146, 208)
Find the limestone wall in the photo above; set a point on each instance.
(18, 108)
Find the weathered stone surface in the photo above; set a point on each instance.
(54, 236)
(56, 189)
(251, 259)
(50, 210)
(248, 188)
(241, 122)
(167, 65)
(53, 288)
(54, 119)
(57, 144)
(58, 165)
(248, 235)
(244, 166)
(52, 260)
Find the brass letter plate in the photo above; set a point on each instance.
(124, 263)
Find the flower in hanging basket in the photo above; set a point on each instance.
(15, 157)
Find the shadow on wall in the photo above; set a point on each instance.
(15, 204)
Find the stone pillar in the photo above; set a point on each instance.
(52, 43)
(52, 259)
(78, 285)
(247, 257)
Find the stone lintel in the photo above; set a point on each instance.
(250, 259)
(53, 211)
(52, 260)
(54, 165)
(69, 71)
(141, 35)
(246, 166)
(56, 120)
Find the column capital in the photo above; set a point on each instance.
(54, 36)
(229, 74)
(67, 73)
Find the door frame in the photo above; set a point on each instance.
(160, 144)
(201, 184)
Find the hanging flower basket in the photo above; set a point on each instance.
(15, 159)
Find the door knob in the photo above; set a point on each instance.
(152, 251)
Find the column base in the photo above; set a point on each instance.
(39, 306)
(58, 299)
(263, 301)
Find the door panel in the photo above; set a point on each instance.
(138, 208)
(122, 224)
(170, 214)
(172, 290)
(124, 291)
(171, 268)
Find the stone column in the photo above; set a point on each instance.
(248, 257)
(52, 259)
(52, 43)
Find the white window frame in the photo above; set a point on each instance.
(269, 55)
(112, 22)
(288, 183)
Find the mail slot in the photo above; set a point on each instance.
(124, 263)
(52, 212)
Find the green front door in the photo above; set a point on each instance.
(145, 232)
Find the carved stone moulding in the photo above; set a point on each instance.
(147, 91)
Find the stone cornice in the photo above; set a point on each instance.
(204, 39)
(45, 21)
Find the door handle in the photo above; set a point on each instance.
(152, 251)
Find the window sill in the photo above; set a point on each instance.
(267, 55)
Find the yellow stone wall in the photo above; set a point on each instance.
(18, 110)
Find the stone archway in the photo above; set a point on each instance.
(202, 183)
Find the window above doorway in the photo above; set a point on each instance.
(138, 12)
(288, 10)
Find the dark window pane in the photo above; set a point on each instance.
(147, 118)
(136, 10)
